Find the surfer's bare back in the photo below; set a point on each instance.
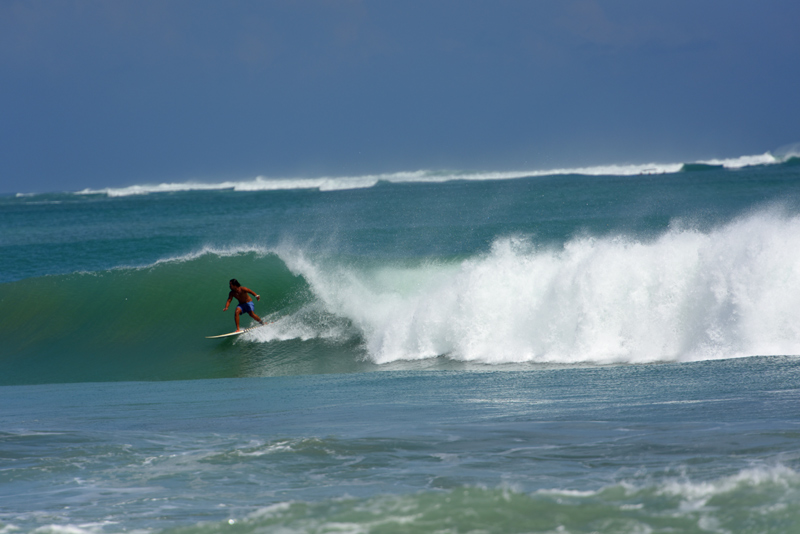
(242, 294)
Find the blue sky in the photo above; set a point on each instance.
(96, 94)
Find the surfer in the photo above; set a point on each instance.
(246, 305)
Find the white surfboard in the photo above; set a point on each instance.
(229, 334)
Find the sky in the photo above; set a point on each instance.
(112, 93)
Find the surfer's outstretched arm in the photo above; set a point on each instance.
(248, 290)
(230, 298)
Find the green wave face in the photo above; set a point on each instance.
(793, 161)
(697, 167)
(150, 324)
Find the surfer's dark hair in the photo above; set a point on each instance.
(235, 282)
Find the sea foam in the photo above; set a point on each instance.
(685, 295)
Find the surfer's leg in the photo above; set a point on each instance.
(236, 315)
(256, 317)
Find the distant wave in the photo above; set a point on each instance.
(334, 183)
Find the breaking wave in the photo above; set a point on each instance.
(684, 295)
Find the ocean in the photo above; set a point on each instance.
(602, 349)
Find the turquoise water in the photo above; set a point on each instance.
(697, 447)
(579, 351)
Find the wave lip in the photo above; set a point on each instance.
(744, 161)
